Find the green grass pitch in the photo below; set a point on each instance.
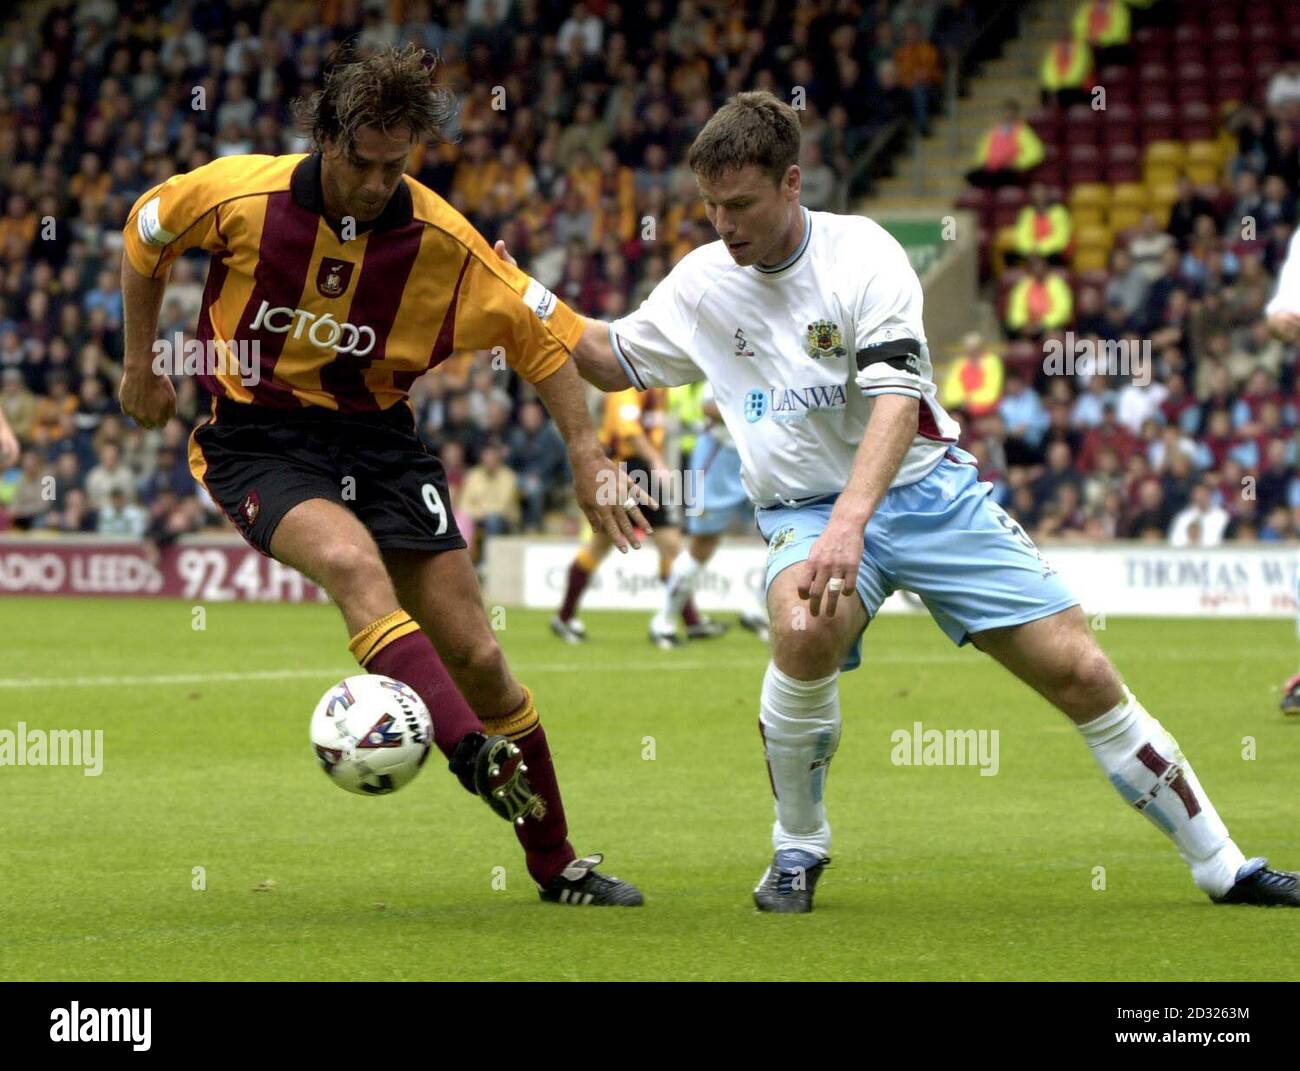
(939, 873)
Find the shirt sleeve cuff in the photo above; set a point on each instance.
(628, 370)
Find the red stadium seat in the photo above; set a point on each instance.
(1153, 72)
(1115, 75)
(1007, 203)
(1262, 32)
(974, 199)
(1047, 124)
(1120, 125)
(1123, 162)
(1024, 357)
(1196, 121)
(1189, 32)
(1082, 124)
(1221, 14)
(1188, 53)
(1158, 123)
(1153, 39)
(1083, 164)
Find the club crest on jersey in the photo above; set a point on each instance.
(742, 344)
(781, 539)
(824, 340)
(333, 277)
(251, 507)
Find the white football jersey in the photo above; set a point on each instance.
(1287, 296)
(795, 353)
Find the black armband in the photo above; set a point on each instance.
(901, 353)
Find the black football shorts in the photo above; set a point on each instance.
(258, 463)
(668, 495)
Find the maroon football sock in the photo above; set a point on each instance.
(690, 615)
(577, 584)
(395, 647)
(545, 839)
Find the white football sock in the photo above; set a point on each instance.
(1145, 765)
(800, 723)
(679, 586)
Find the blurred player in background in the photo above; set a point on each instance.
(8, 444)
(1283, 313)
(348, 280)
(712, 463)
(862, 490)
(634, 432)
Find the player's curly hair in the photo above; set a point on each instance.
(751, 128)
(390, 88)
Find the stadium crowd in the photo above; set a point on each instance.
(574, 123)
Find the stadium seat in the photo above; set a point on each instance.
(1125, 217)
(1024, 357)
(1082, 126)
(1083, 163)
(1047, 123)
(1007, 203)
(1153, 39)
(1091, 247)
(1158, 121)
(1119, 123)
(1204, 162)
(1196, 121)
(1090, 194)
(1132, 194)
(1123, 162)
(1166, 154)
(1163, 195)
(1207, 149)
(1093, 279)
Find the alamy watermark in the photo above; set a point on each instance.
(920, 746)
(53, 747)
(1093, 357)
(669, 488)
(179, 356)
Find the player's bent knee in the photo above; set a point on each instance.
(345, 566)
(808, 647)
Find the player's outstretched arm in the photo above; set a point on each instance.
(146, 396)
(595, 355)
(595, 358)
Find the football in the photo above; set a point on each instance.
(371, 734)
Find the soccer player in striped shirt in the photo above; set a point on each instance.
(335, 282)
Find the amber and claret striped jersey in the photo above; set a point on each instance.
(346, 325)
(628, 412)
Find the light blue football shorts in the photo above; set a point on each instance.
(721, 496)
(941, 538)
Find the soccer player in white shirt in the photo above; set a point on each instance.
(861, 489)
(1283, 314)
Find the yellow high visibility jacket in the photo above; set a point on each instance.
(1042, 234)
(1102, 29)
(973, 384)
(1057, 304)
(1029, 148)
(1067, 66)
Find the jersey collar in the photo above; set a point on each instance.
(306, 190)
(793, 257)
